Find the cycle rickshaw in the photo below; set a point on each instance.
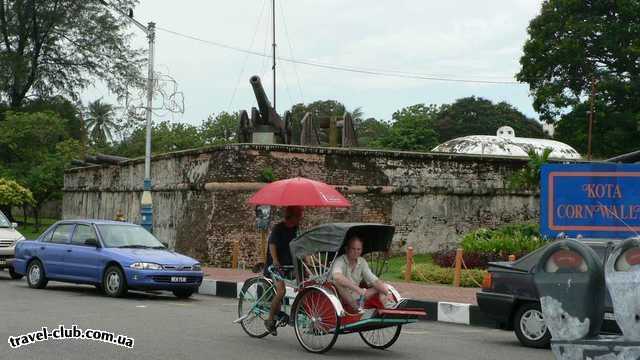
(317, 314)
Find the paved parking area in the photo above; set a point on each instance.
(164, 327)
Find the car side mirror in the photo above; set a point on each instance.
(14, 225)
(165, 244)
(92, 242)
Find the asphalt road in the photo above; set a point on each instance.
(164, 327)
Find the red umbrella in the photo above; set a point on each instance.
(299, 192)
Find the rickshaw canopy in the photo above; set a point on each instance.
(331, 238)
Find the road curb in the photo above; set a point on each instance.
(442, 311)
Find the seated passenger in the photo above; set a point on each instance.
(350, 269)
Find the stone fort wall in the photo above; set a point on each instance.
(199, 196)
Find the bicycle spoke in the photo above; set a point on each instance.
(253, 306)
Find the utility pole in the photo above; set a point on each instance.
(273, 16)
(146, 203)
(591, 110)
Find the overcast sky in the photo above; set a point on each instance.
(459, 39)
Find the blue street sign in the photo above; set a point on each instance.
(592, 200)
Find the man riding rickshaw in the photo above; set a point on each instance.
(336, 292)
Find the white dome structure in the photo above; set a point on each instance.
(505, 143)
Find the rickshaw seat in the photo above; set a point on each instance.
(371, 303)
(353, 315)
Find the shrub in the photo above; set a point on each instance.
(484, 245)
(447, 257)
(267, 175)
(509, 239)
(13, 194)
(434, 274)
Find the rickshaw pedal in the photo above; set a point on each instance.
(283, 319)
(238, 320)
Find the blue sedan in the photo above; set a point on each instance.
(113, 256)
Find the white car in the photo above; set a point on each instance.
(9, 236)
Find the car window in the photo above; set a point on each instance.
(132, 236)
(529, 261)
(4, 222)
(62, 233)
(82, 233)
(46, 237)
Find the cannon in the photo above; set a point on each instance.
(99, 159)
(264, 125)
(265, 119)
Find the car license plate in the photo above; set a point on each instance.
(178, 279)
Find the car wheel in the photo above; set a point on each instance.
(114, 282)
(529, 326)
(14, 275)
(35, 275)
(183, 294)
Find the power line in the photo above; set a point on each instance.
(295, 68)
(263, 68)
(346, 68)
(284, 72)
(244, 62)
(286, 84)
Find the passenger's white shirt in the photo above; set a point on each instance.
(359, 273)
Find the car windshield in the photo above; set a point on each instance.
(128, 236)
(4, 222)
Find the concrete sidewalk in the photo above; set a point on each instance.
(442, 303)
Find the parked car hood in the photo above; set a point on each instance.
(164, 257)
(9, 234)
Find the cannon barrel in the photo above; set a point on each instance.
(110, 159)
(77, 162)
(261, 97)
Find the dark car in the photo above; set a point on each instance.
(510, 297)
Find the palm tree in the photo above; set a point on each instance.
(357, 115)
(100, 122)
(529, 176)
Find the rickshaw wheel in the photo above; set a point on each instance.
(381, 338)
(254, 302)
(316, 321)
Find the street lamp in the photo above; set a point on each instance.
(146, 203)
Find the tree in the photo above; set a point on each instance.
(38, 148)
(165, 137)
(478, 116)
(69, 112)
(529, 176)
(319, 110)
(221, 129)
(614, 132)
(370, 130)
(13, 194)
(100, 122)
(412, 129)
(62, 46)
(572, 43)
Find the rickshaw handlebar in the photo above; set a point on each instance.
(277, 272)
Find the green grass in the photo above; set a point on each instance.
(395, 270)
(425, 271)
(29, 230)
